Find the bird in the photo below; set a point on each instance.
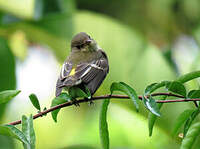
(87, 65)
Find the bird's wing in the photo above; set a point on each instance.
(87, 72)
(67, 76)
(83, 72)
(66, 70)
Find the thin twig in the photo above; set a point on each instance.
(106, 97)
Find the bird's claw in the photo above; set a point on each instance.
(75, 102)
(91, 103)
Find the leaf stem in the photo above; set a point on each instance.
(180, 99)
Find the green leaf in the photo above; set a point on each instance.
(64, 97)
(103, 125)
(154, 86)
(188, 77)
(152, 117)
(28, 130)
(151, 105)
(45, 108)
(7, 95)
(149, 88)
(11, 131)
(181, 120)
(190, 120)
(87, 91)
(194, 94)
(35, 101)
(191, 136)
(75, 92)
(123, 87)
(176, 87)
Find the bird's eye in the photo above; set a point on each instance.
(80, 46)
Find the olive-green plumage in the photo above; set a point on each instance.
(86, 65)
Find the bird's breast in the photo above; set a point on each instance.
(83, 57)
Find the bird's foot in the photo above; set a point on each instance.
(75, 102)
(90, 101)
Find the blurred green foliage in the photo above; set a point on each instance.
(159, 21)
(139, 37)
(8, 81)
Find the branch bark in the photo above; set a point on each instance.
(181, 99)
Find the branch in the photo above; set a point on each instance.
(106, 97)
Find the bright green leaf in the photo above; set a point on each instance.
(181, 120)
(189, 76)
(64, 97)
(35, 101)
(11, 131)
(191, 136)
(121, 86)
(28, 130)
(176, 87)
(151, 105)
(152, 117)
(190, 120)
(7, 95)
(103, 125)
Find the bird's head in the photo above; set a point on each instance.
(83, 42)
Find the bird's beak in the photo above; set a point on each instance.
(88, 41)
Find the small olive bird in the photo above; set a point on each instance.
(87, 65)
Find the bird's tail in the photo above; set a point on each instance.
(58, 89)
